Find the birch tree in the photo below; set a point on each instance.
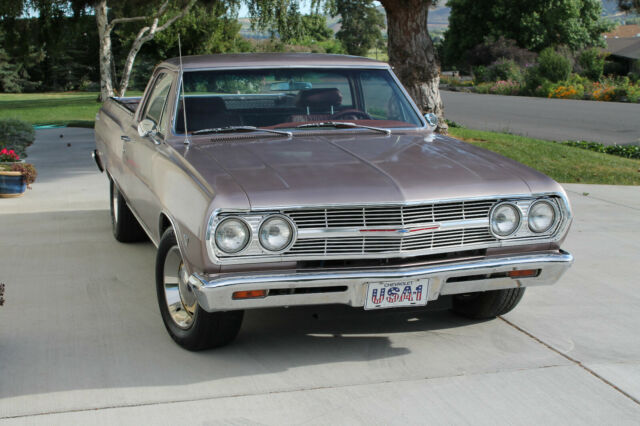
(151, 25)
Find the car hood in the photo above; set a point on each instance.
(355, 168)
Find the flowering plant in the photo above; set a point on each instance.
(8, 155)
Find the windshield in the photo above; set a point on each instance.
(288, 98)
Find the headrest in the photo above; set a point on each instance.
(211, 105)
(319, 98)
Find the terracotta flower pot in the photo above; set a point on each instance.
(12, 184)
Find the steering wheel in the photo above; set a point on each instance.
(351, 114)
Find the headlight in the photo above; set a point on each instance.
(542, 216)
(505, 219)
(232, 235)
(276, 233)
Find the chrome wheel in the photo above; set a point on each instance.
(180, 299)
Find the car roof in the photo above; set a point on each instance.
(271, 60)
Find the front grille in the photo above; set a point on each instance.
(375, 245)
(390, 215)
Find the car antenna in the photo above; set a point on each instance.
(184, 105)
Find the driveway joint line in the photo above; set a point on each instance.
(573, 360)
(275, 392)
(602, 199)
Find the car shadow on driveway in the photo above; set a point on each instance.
(81, 315)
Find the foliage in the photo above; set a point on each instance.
(16, 135)
(28, 171)
(569, 91)
(629, 5)
(553, 66)
(492, 50)
(455, 81)
(361, 25)
(504, 69)
(533, 24)
(591, 63)
(559, 161)
(627, 151)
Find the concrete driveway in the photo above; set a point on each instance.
(552, 119)
(82, 342)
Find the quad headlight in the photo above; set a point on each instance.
(505, 219)
(276, 233)
(232, 235)
(542, 216)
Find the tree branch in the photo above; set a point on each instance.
(116, 21)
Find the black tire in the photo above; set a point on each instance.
(488, 304)
(201, 329)
(124, 224)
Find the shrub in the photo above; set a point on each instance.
(505, 87)
(627, 151)
(480, 74)
(16, 135)
(591, 64)
(28, 171)
(492, 50)
(566, 91)
(533, 81)
(553, 66)
(504, 69)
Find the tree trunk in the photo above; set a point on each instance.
(412, 54)
(104, 36)
(131, 57)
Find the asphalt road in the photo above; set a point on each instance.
(82, 342)
(552, 119)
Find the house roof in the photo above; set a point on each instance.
(624, 47)
(624, 31)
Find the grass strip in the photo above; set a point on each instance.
(562, 162)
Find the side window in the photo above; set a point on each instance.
(158, 99)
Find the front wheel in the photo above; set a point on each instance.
(488, 304)
(187, 323)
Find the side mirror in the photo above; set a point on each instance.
(432, 119)
(146, 128)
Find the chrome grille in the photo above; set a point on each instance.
(372, 245)
(390, 215)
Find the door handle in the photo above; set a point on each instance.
(125, 138)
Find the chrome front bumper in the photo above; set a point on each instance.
(348, 286)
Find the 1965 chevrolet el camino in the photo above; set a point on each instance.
(271, 180)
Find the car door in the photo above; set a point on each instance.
(140, 152)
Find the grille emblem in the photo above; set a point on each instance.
(403, 231)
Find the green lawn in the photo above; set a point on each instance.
(563, 163)
(76, 109)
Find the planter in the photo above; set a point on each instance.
(12, 184)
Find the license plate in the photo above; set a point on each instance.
(394, 294)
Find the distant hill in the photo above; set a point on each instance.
(439, 19)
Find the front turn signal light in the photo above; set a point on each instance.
(250, 294)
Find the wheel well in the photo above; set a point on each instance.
(165, 223)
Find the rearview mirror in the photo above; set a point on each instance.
(146, 128)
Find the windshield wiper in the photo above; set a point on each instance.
(343, 125)
(234, 129)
